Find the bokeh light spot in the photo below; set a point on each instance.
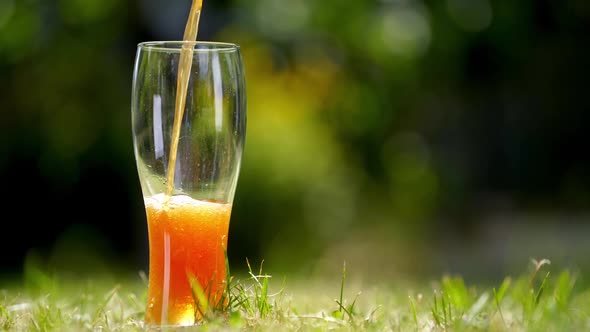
(19, 31)
(470, 15)
(6, 11)
(405, 32)
(281, 21)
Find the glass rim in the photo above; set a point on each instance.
(176, 45)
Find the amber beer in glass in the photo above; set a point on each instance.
(188, 220)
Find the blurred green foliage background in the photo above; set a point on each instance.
(407, 137)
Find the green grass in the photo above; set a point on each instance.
(539, 300)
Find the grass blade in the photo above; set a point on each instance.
(413, 309)
(541, 289)
(342, 287)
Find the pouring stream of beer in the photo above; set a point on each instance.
(184, 69)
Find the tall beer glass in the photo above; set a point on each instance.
(187, 220)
